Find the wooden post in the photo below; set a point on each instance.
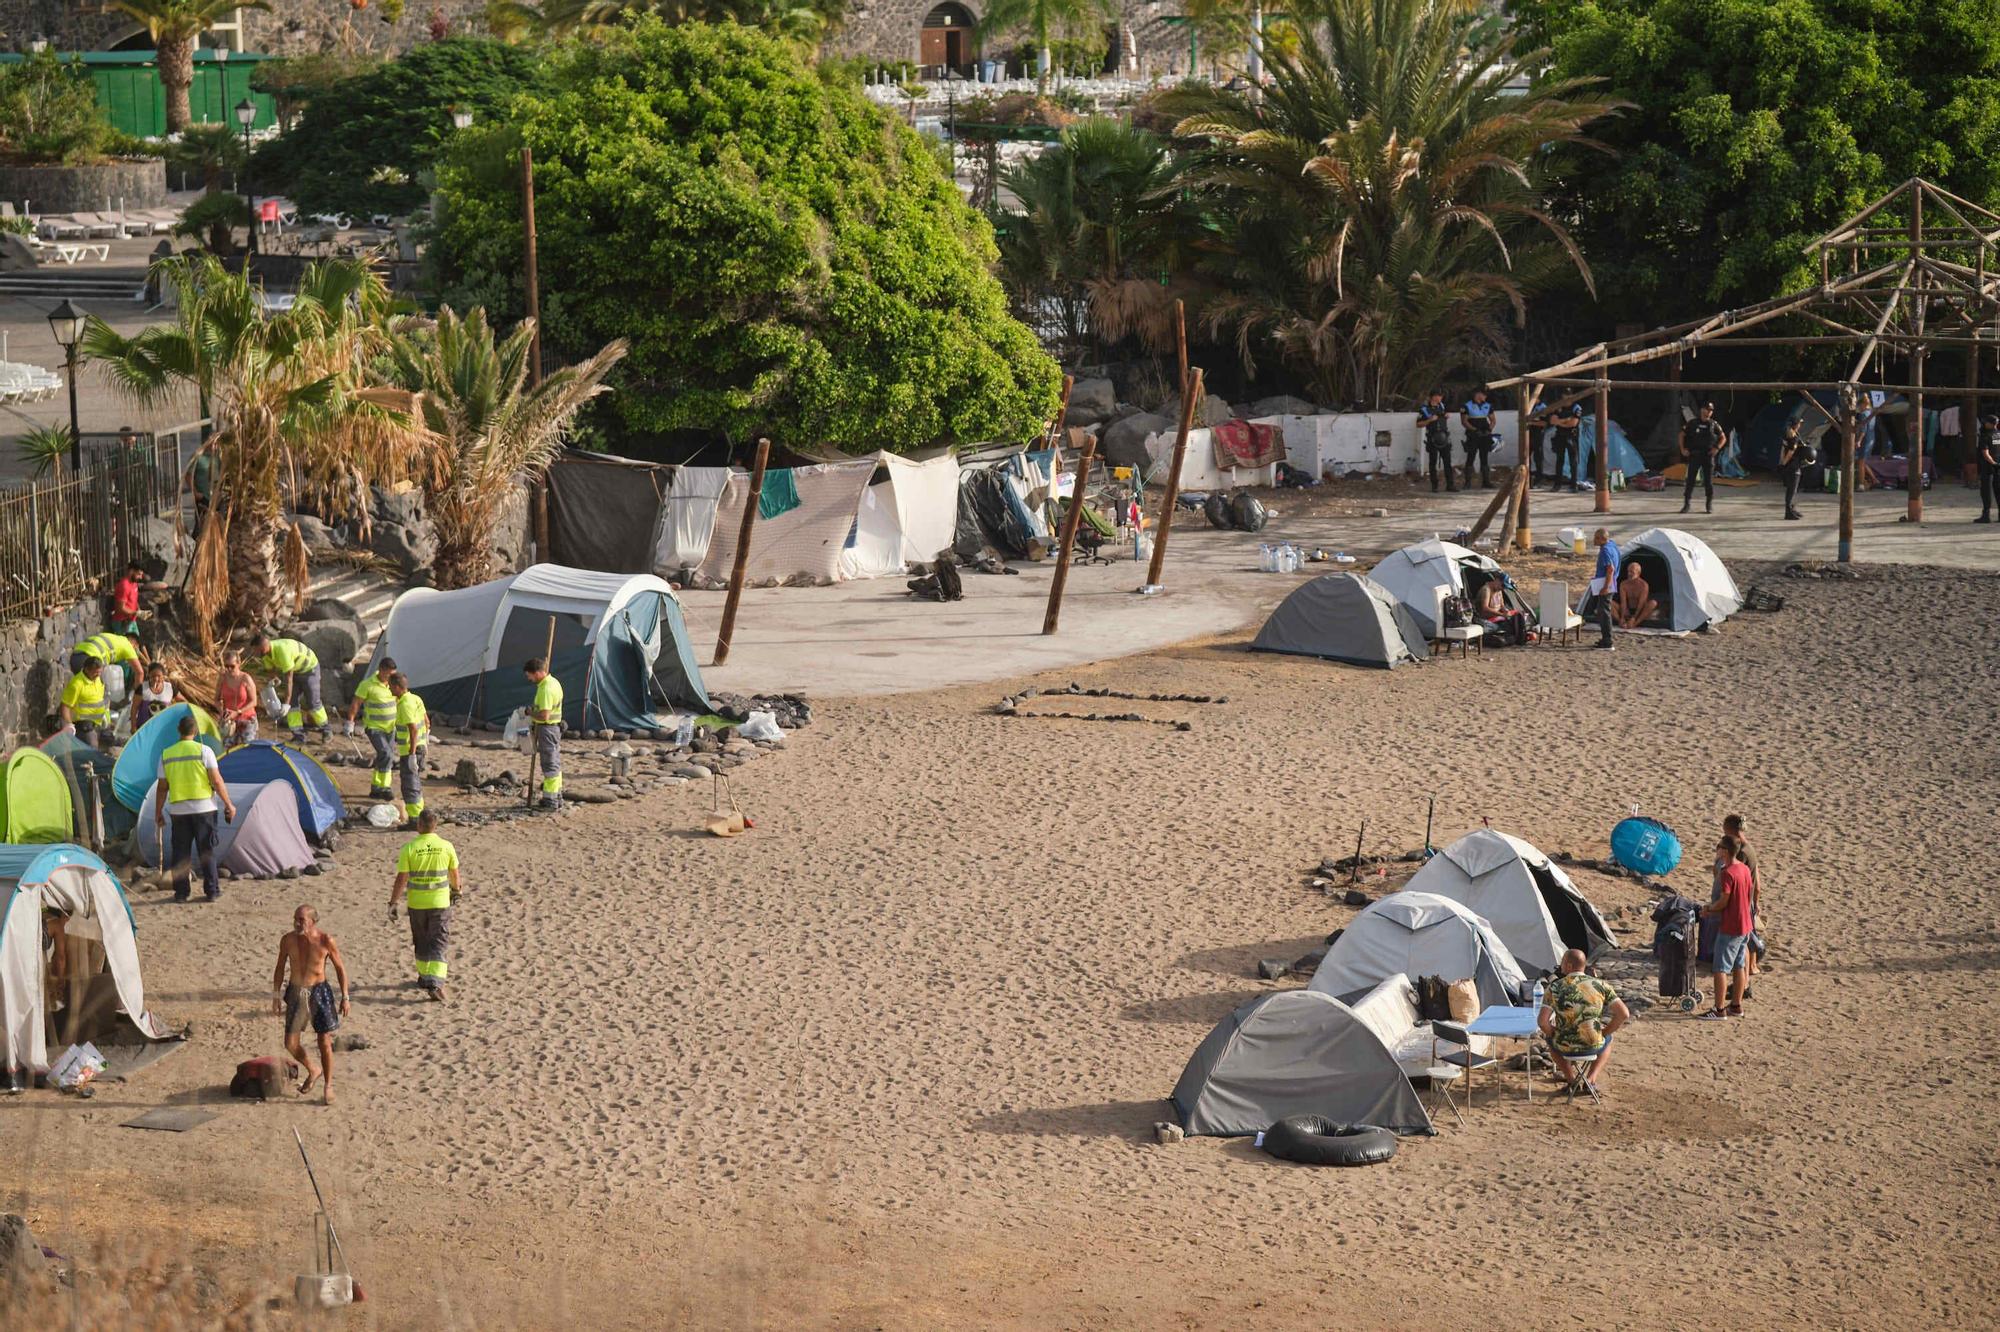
(1530, 395)
(1515, 487)
(534, 754)
(1968, 408)
(1602, 503)
(534, 310)
(1914, 479)
(1166, 523)
(736, 574)
(1061, 416)
(1180, 344)
(1070, 522)
(1492, 507)
(1846, 551)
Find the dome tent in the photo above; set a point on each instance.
(34, 800)
(1413, 574)
(1530, 903)
(1343, 617)
(138, 764)
(263, 839)
(315, 797)
(1414, 935)
(1691, 584)
(621, 646)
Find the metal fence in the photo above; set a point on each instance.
(66, 538)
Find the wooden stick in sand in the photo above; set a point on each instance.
(1070, 521)
(1166, 524)
(742, 567)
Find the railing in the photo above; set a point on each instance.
(65, 539)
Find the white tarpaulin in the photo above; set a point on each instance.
(806, 539)
(687, 517)
(906, 516)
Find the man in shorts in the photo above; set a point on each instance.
(1733, 825)
(1579, 1016)
(1734, 904)
(307, 997)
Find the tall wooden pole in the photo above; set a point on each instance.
(1847, 428)
(1068, 544)
(1530, 394)
(543, 550)
(1180, 344)
(1968, 407)
(1602, 501)
(1915, 478)
(1056, 422)
(1166, 523)
(742, 566)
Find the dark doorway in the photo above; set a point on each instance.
(947, 39)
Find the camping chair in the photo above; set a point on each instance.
(1467, 636)
(1580, 1067)
(1554, 614)
(1091, 535)
(1464, 1057)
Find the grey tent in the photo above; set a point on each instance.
(1295, 1052)
(1411, 935)
(1414, 574)
(1344, 617)
(264, 839)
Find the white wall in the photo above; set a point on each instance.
(1198, 469)
(1374, 442)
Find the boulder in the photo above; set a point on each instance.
(334, 642)
(329, 608)
(400, 507)
(1281, 405)
(1211, 411)
(314, 533)
(410, 547)
(469, 774)
(1123, 442)
(1091, 401)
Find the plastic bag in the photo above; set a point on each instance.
(382, 816)
(274, 706)
(517, 726)
(761, 726)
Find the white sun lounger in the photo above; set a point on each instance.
(58, 227)
(97, 224)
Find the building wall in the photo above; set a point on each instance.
(889, 30)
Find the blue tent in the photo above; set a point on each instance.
(138, 764)
(1624, 458)
(320, 805)
(34, 864)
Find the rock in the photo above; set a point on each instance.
(691, 771)
(1123, 442)
(348, 1043)
(1282, 404)
(334, 642)
(329, 608)
(411, 549)
(20, 1252)
(1273, 968)
(288, 873)
(590, 797)
(314, 534)
(1166, 1134)
(313, 869)
(402, 506)
(1211, 411)
(602, 735)
(1091, 401)
(1310, 962)
(469, 774)
(1354, 897)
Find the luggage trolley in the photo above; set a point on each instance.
(1677, 945)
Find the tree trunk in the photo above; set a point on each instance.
(175, 55)
(256, 579)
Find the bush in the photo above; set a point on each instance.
(213, 219)
(48, 113)
(395, 115)
(785, 257)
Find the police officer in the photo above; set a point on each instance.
(1701, 438)
(1795, 454)
(545, 716)
(377, 708)
(427, 869)
(1477, 418)
(189, 787)
(1433, 418)
(1988, 458)
(413, 728)
(1538, 430)
(299, 666)
(1568, 421)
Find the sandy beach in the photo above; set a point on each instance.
(893, 1058)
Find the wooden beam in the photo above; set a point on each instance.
(1602, 500)
(742, 565)
(1915, 482)
(1157, 569)
(1068, 543)
(1847, 430)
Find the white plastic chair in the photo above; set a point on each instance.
(1467, 636)
(1554, 613)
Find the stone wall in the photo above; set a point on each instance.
(34, 668)
(103, 186)
(891, 30)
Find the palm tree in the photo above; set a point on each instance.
(298, 416)
(1047, 20)
(175, 26)
(1382, 195)
(487, 427)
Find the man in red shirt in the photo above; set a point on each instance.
(125, 601)
(1734, 903)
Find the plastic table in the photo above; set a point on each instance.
(1508, 1023)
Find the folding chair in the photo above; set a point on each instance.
(1465, 1057)
(1580, 1068)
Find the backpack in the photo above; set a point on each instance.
(1457, 613)
(1249, 512)
(1216, 509)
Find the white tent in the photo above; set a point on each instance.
(908, 514)
(1693, 587)
(1413, 574)
(104, 997)
(687, 517)
(1530, 903)
(1297, 1052)
(1419, 934)
(791, 540)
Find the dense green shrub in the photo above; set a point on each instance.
(785, 258)
(361, 142)
(48, 113)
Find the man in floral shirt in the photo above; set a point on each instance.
(1579, 1015)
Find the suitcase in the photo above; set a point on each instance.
(1676, 943)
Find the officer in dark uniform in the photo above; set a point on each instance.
(1538, 429)
(1434, 419)
(1795, 454)
(1988, 458)
(1701, 439)
(1477, 418)
(1568, 421)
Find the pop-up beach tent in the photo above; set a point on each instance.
(139, 762)
(1529, 902)
(1295, 1052)
(34, 800)
(315, 799)
(104, 997)
(1344, 617)
(1414, 574)
(1693, 587)
(621, 647)
(263, 839)
(1416, 935)
(804, 516)
(907, 515)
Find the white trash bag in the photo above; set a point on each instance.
(382, 816)
(761, 726)
(273, 705)
(517, 726)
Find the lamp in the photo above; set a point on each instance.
(246, 111)
(952, 78)
(66, 322)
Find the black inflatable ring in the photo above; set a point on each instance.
(1311, 1140)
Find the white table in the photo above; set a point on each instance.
(1508, 1023)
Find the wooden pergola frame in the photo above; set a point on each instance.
(1894, 282)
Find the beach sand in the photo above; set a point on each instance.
(893, 1058)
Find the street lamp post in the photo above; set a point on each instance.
(66, 322)
(246, 111)
(952, 78)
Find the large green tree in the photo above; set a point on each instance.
(175, 26)
(783, 257)
(1757, 125)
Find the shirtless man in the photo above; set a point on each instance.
(308, 997)
(1635, 604)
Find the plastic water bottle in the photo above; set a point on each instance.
(1265, 561)
(1538, 996)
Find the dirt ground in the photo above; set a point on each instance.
(893, 1058)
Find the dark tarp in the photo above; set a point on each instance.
(604, 512)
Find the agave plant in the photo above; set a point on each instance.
(44, 449)
(486, 427)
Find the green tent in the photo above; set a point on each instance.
(34, 800)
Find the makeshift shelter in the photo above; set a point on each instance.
(803, 518)
(103, 997)
(908, 514)
(687, 517)
(1528, 901)
(138, 765)
(1413, 575)
(1233, 454)
(621, 647)
(1295, 1052)
(605, 512)
(1693, 587)
(263, 839)
(34, 800)
(1003, 499)
(316, 801)
(1344, 617)
(1419, 934)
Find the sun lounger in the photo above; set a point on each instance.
(97, 224)
(59, 227)
(161, 220)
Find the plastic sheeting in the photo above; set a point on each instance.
(687, 518)
(263, 839)
(1419, 934)
(605, 513)
(806, 541)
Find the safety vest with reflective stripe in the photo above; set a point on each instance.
(428, 859)
(288, 656)
(549, 700)
(413, 723)
(186, 766)
(108, 647)
(378, 705)
(84, 697)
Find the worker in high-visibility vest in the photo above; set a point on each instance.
(376, 706)
(188, 789)
(427, 867)
(299, 666)
(413, 729)
(81, 711)
(545, 713)
(109, 649)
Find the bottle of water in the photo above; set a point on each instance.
(1265, 562)
(1538, 996)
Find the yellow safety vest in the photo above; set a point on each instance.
(84, 697)
(108, 648)
(549, 699)
(413, 723)
(288, 656)
(186, 767)
(428, 859)
(378, 705)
